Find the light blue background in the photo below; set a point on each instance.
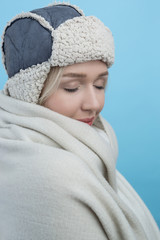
(132, 98)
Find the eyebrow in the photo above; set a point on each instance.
(80, 75)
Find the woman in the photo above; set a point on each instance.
(58, 155)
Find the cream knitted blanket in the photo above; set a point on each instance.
(58, 180)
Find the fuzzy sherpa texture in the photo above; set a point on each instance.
(58, 180)
(27, 84)
(82, 39)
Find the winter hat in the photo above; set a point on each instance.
(57, 35)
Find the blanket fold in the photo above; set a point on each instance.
(58, 180)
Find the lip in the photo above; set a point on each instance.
(89, 121)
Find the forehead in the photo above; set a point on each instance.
(88, 68)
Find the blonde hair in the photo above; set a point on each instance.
(51, 84)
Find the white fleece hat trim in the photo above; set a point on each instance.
(82, 39)
(28, 84)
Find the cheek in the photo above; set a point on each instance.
(62, 104)
(102, 101)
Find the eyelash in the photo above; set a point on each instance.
(99, 87)
(71, 89)
(75, 89)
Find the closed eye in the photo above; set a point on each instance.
(71, 89)
(99, 87)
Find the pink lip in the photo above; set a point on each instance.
(87, 120)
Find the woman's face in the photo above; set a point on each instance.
(80, 94)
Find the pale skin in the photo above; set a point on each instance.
(81, 93)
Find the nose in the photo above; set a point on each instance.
(90, 100)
